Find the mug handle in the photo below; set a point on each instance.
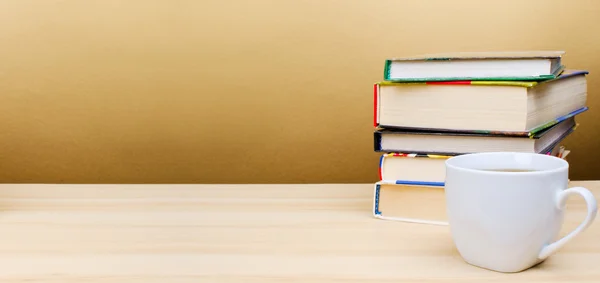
(592, 208)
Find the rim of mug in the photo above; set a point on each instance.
(564, 164)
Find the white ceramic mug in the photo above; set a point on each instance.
(509, 221)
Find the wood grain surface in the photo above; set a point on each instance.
(243, 233)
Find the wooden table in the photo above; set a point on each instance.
(242, 233)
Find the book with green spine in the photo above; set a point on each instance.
(472, 66)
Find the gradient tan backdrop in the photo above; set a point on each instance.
(242, 91)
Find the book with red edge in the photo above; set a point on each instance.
(509, 107)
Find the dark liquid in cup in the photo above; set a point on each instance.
(509, 170)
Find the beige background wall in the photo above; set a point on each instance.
(242, 91)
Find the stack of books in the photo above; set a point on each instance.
(432, 107)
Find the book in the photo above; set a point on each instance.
(451, 143)
(497, 66)
(409, 203)
(425, 169)
(413, 168)
(507, 106)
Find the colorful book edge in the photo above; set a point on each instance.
(517, 82)
(543, 127)
(375, 105)
(434, 79)
(386, 69)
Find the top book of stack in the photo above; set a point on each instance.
(472, 66)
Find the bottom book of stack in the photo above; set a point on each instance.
(409, 203)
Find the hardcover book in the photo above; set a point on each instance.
(409, 203)
(425, 169)
(413, 168)
(453, 143)
(491, 66)
(506, 106)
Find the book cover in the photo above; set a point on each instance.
(433, 174)
(453, 56)
(540, 128)
(410, 155)
(377, 134)
(517, 83)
